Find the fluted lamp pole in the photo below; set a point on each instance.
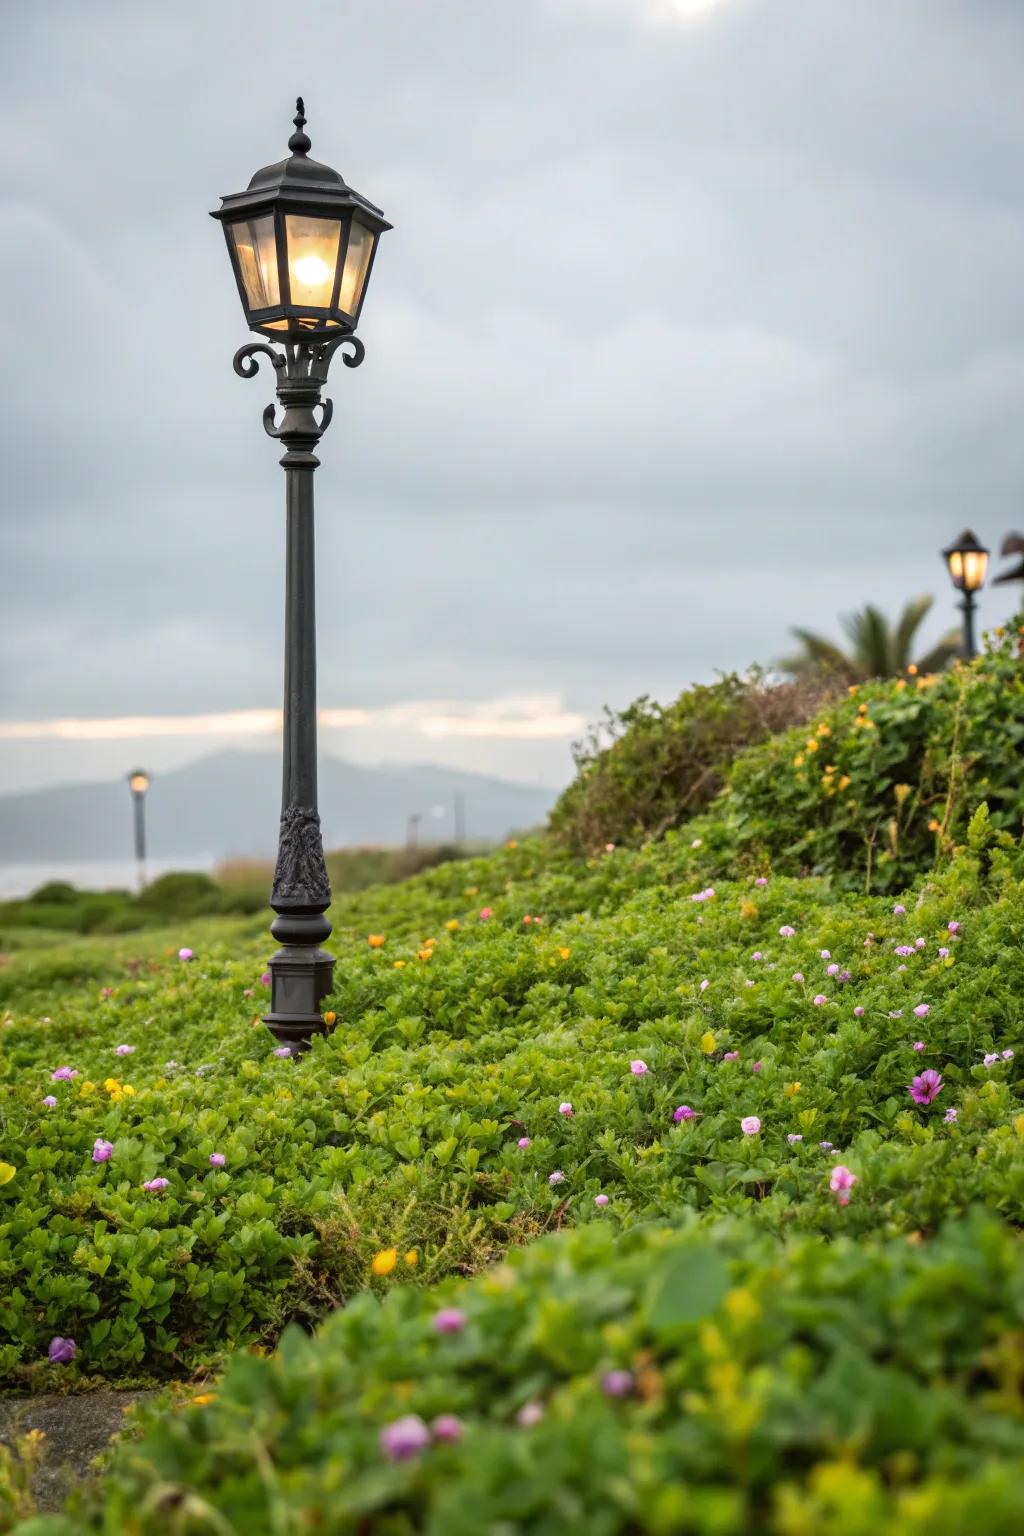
(302, 245)
(967, 561)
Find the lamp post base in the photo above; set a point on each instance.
(300, 972)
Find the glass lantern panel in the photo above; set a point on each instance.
(312, 258)
(256, 249)
(357, 261)
(975, 562)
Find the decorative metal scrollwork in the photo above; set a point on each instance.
(246, 364)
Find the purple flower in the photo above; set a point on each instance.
(750, 1125)
(897, 1013)
(922, 1010)
(217, 1159)
(832, 970)
(523, 1143)
(731, 1056)
(858, 1012)
(639, 1068)
(950, 1116)
(49, 1101)
(447, 1428)
(793, 1137)
(565, 1109)
(617, 1383)
(185, 954)
(558, 1177)
(919, 944)
(786, 932)
(757, 955)
(266, 979)
(755, 1066)
(761, 881)
(904, 949)
(124, 1050)
(101, 1150)
(283, 1050)
(529, 1415)
(601, 1201)
(943, 954)
(154, 1186)
(62, 1351)
(684, 1112)
(953, 927)
(826, 954)
(704, 985)
(63, 1075)
(798, 975)
(991, 1059)
(926, 1086)
(820, 1000)
(844, 976)
(898, 911)
(404, 1438)
(449, 1320)
(918, 1045)
(826, 1146)
(1007, 1055)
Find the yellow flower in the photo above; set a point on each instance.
(742, 1305)
(812, 745)
(862, 709)
(563, 954)
(934, 826)
(7, 1172)
(844, 780)
(912, 669)
(384, 1261)
(330, 1018)
(472, 890)
(453, 925)
(412, 1258)
(86, 1088)
(1018, 1125)
(128, 1090)
(399, 965)
(792, 1089)
(901, 791)
(112, 1085)
(202, 1398)
(799, 760)
(707, 1042)
(429, 943)
(376, 940)
(748, 909)
(424, 954)
(824, 730)
(901, 682)
(511, 843)
(853, 688)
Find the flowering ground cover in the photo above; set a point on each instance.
(747, 1152)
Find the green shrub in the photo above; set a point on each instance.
(664, 763)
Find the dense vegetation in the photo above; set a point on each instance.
(770, 1108)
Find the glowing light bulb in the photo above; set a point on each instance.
(311, 271)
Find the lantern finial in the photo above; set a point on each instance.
(299, 143)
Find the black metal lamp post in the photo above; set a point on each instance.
(138, 783)
(967, 561)
(301, 245)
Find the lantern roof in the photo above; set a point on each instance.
(297, 183)
(966, 544)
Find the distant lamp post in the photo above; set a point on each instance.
(138, 783)
(967, 562)
(302, 245)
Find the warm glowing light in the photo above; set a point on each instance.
(138, 783)
(311, 270)
(967, 561)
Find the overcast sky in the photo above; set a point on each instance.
(700, 318)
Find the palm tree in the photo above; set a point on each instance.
(877, 649)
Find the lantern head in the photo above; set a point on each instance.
(967, 562)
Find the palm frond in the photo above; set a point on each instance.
(910, 621)
(818, 655)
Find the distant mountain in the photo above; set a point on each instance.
(229, 803)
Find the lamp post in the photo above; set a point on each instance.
(138, 783)
(302, 245)
(967, 561)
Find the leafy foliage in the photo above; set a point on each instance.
(879, 650)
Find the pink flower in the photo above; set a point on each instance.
(617, 1383)
(798, 975)
(449, 1320)
(731, 1056)
(704, 985)
(102, 1150)
(919, 943)
(447, 1428)
(926, 1086)
(755, 1066)
(841, 1182)
(404, 1438)
(154, 1186)
(1007, 1055)
(858, 1012)
(918, 1044)
(826, 954)
(523, 1143)
(757, 955)
(601, 1201)
(953, 927)
(282, 1050)
(106, 991)
(185, 954)
(832, 970)
(820, 1000)
(217, 1159)
(904, 950)
(950, 1116)
(898, 911)
(991, 1059)
(786, 932)
(558, 1177)
(529, 1415)
(61, 1351)
(761, 881)
(750, 1125)
(793, 1137)
(639, 1068)
(943, 954)
(49, 1101)
(124, 1050)
(565, 1109)
(63, 1075)
(684, 1112)
(266, 979)
(485, 913)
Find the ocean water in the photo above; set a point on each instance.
(90, 875)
